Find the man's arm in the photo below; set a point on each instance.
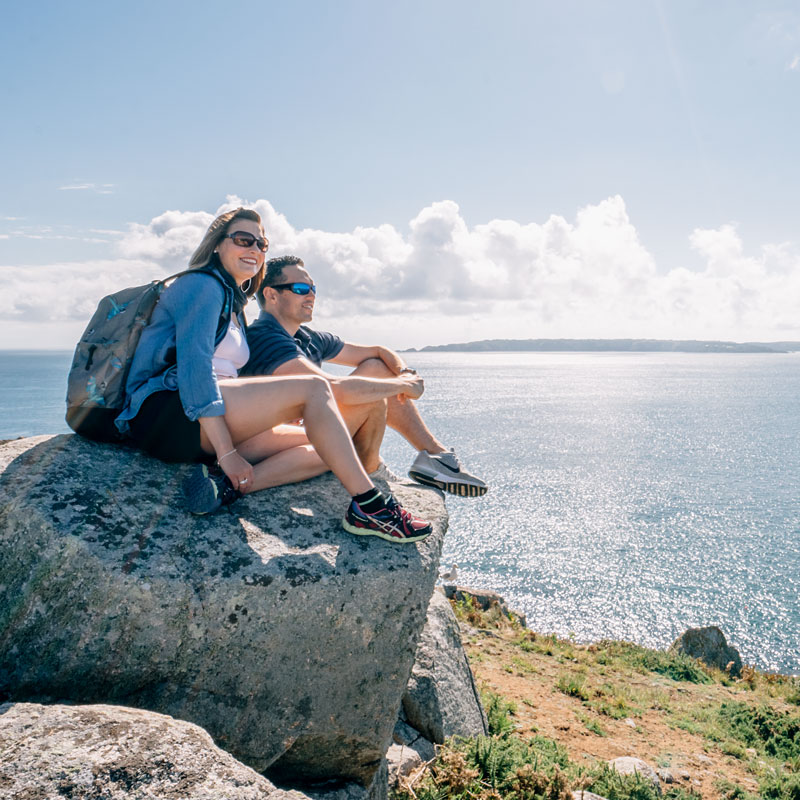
(352, 355)
(353, 389)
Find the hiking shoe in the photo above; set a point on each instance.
(207, 489)
(383, 473)
(392, 523)
(443, 471)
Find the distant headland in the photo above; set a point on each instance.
(611, 345)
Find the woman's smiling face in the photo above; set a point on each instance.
(242, 263)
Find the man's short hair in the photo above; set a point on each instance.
(273, 273)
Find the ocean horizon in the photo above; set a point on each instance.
(633, 495)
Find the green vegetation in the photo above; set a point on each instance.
(592, 725)
(740, 735)
(769, 732)
(499, 713)
(572, 685)
(677, 666)
(508, 767)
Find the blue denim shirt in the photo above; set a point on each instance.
(176, 348)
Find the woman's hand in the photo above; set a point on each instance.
(239, 471)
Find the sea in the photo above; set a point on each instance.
(633, 495)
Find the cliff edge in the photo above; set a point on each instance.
(289, 640)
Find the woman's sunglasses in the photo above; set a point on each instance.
(244, 239)
(296, 288)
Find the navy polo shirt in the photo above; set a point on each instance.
(271, 345)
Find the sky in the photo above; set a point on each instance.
(449, 171)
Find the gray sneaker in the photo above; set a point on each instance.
(383, 473)
(443, 471)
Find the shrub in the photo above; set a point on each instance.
(780, 786)
(498, 713)
(772, 732)
(732, 791)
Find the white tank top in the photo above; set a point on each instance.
(232, 352)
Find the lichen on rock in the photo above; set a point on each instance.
(289, 640)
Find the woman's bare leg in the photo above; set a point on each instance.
(272, 441)
(281, 455)
(289, 466)
(254, 405)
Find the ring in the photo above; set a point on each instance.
(243, 480)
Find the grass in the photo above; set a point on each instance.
(746, 729)
(511, 768)
(573, 686)
(592, 725)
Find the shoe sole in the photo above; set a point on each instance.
(451, 487)
(382, 535)
(199, 490)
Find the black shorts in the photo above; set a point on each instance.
(162, 430)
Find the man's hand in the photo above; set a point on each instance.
(413, 387)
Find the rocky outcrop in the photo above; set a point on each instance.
(441, 699)
(485, 600)
(409, 750)
(87, 752)
(402, 761)
(287, 639)
(709, 646)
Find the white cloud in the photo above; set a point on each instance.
(794, 64)
(444, 281)
(66, 291)
(99, 188)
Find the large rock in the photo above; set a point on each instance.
(708, 644)
(287, 639)
(87, 752)
(441, 699)
(628, 765)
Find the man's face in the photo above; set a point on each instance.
(295, 308)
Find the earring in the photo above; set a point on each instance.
(244, 288)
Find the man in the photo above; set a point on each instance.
(380, 391)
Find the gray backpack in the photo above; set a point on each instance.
(102, 360)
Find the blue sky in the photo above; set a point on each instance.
(572, 168)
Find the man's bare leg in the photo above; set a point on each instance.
(367, 425)
(402, 417)
(434, 464)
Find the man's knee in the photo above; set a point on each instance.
(373, 368)
(317, 386)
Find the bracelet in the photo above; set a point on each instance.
(410, 370)
(229, 453)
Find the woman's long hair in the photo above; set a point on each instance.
(204, 255)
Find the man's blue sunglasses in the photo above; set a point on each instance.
(296, 288)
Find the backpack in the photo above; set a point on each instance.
(102, 360)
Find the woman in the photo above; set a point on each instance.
(185, 403)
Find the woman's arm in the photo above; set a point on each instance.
(235, 466)
(195, 303)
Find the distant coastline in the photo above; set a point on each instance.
(610, 345)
